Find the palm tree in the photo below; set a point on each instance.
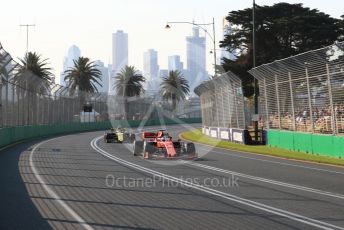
(128, 83)
(33, 73)
(33, 78)
(174, 87)
(83, 76)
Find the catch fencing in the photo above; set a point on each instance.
(304, 92)
(26, 99)
(222, 102)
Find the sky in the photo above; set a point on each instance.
(89, 24)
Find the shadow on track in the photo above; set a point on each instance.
(16, 208)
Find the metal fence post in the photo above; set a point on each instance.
(292, 100)
(223, 108)
(6, 104)
(243, 109)
(28, 107)
(19, 118)
(94, 108)
(235, 105)
(73, 108)
(210, 109)
(99, 108)
(266, 106)
(22, 106)
(333, 115)
(15, 121)
(63, 107)
(1, 109)
(309, 101)
(38, 96)
(202, 109)
(216, 106)
(53, 105)
(278, 103)
(229, 106)
(69, 100)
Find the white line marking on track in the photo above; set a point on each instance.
(237, 199)
(51, 193)
(269, 161)
(283, 184)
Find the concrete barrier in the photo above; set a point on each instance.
(319, 144)
(12, 135)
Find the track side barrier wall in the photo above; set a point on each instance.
(12, 135)
(324, 145)
(229, 134)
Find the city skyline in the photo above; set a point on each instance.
(196, 59)
(73, 53)
(105, 77)
(53, 33)
(119, 50)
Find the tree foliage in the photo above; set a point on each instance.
(282, 30)
(128, 82)
(33, 73)
(84, 76)
(174, 87)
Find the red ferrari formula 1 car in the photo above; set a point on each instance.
(160, 146)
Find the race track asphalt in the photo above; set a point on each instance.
(79, 182)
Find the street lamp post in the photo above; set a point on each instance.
(27, 37)
(201, 26)
(254, 65)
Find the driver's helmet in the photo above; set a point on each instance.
(165, 137)
(112, 130)
(119, 128)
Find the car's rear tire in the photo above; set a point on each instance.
(132, 138)
(178, 147)
(138, 148)
(148, 147)
(190, 148)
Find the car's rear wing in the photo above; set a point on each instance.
(148, 136)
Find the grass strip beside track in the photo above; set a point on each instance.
(198, 136)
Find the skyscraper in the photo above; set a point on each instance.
(150, 64)
(68, 62)
(104, 78)
(119, 50)
(196, 64)
(174, 63)
(151, 69)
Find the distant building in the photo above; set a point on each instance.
(119, 55)
(196, 60)
(150, 64)
(119, 50)
(68, 62)
(226, 30)
(163, 73)
(174, 63)
(104, 79)
(111, 79)
(150, 70)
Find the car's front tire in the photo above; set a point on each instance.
(190, 148)
(138, 148)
